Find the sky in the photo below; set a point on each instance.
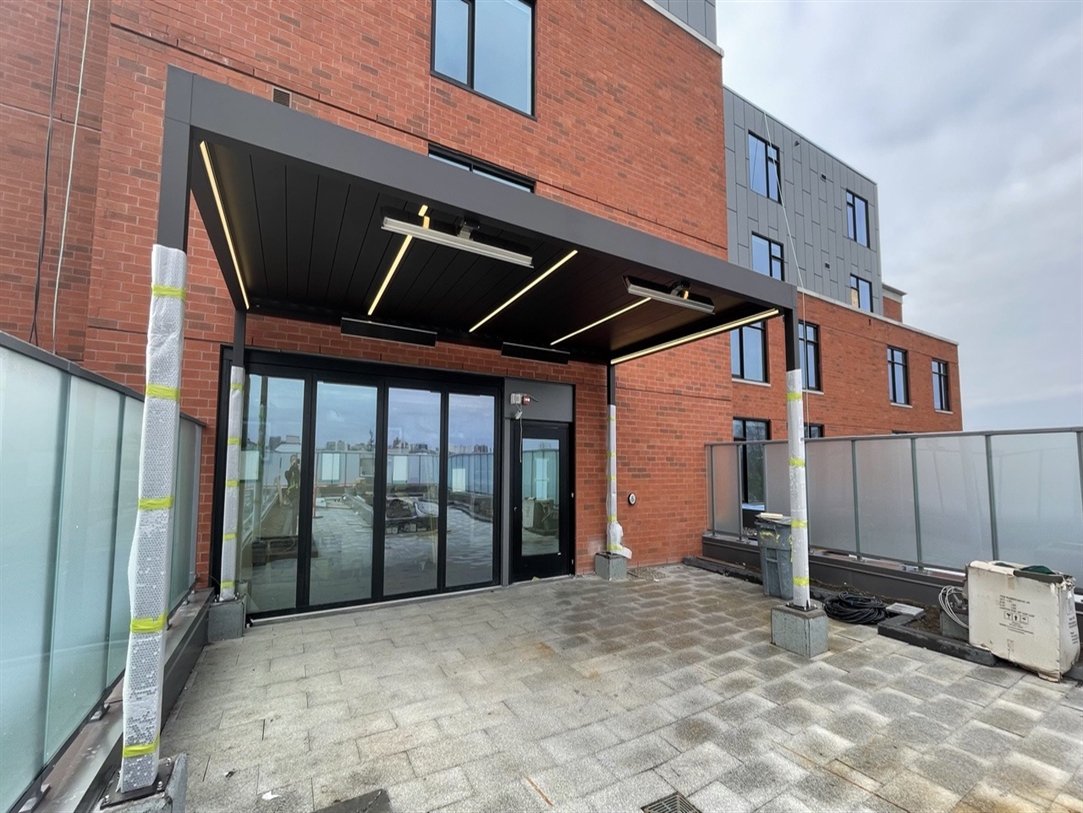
(969, 117)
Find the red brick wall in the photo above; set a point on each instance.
(892, 309)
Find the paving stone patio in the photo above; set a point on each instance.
(582, 695)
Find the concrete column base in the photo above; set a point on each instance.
(803, 632)
(225, 620)
(170, 799)
(611, 566)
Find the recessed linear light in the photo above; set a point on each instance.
(703, 334)
(676, 295)
(538, 279)
(222, 215)
(395, 263)
(389, 333)
(602, 321)
(456, 241)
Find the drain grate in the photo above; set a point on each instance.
(674, 803)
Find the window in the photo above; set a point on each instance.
(860, 293)
(857, 218)
(808, 337)
(748, 356)
(751, 460)
(941, 386)
(898, 388)
(487, 45)
(814, 430)
(763, 167)
(766, 256)
(469, 164)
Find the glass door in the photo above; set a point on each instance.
(541, 543)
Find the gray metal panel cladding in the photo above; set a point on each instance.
(699, 15)
(815, 185)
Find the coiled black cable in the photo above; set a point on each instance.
(855, 609)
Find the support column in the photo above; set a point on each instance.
(613, 564)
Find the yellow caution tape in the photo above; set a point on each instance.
(611, 454)
(611, 518)
(797, 461)
(226, 585)
(145, 625)
(232, 483)
(236, 386)
(611, 477)
(228, 537)
(800, 581)
(793, 396)
(169, 291)
(130, 751)
(798, 523)
(233, 441)
(612, 418)
(155, 504)
(163, 392)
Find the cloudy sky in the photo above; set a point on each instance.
(969, 116)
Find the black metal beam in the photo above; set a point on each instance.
(175, 173)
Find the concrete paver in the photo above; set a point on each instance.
(582, 695)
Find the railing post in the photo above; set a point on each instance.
(917, 501)
(992, 497)
(711, 523)
(857, 513)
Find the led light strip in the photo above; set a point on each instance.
(552, 268)
(703, 334)
(395, 263)
(602, 321)
(222, 215)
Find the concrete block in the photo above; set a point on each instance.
(225, 620)
(803, 632)
(611, 566)
(171, 799)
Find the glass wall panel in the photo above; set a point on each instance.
(85, 558)
(1039, 511)
(127, 504)
(885, 498)
(182, 560)
(31, 434)
(270, 474)
(341, 567)
(953, 498)
(727, 503)
(412, 512)
(471, 446)
(777, 473)
(541, 496)
(829, 474)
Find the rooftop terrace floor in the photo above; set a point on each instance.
(582, 695)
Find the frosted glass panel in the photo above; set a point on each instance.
(127, 500)
(1038, 503)
(85, 558)
(953, 497)
(182, 562)
(777, 465)
(31, 415)
(727, 503)
(829, 475)
(885, 499)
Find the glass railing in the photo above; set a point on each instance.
(936, 500)
(69, 460)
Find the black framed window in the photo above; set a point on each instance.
(751, 459)
(766, 256)
(860, 293)
(857, 218)
(814, 430)
(809, 338)
(748, 353)
(469, 164)
(763, 175)
(897, 381)
(941, 386)
(488, 46)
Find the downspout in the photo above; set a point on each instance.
(614, 533)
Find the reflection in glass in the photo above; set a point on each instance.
(503, 51)
(412, 511)
(757, 164)
(270, 473)
(341, 566)
(541, 496)
(452, 38)
(470, 495)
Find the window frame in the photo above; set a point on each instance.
(851, 218)
(818, 428)
(742, 456)
(468, 163)
(854, 278)
(771, 246)
(803, 346)
(767, 161)
(902, 362)
(941, 386)
(739, 334)
(469, 84)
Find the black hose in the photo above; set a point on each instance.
(854, 609)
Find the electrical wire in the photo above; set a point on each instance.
(949, 594)
(71, 170)
(33, 336)
(855, 609)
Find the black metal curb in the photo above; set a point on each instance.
(899, 629)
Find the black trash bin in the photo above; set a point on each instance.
(776, 555)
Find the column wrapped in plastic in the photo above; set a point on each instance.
(148, 567)
(231, 503)
(614, 533)
(795, 425)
